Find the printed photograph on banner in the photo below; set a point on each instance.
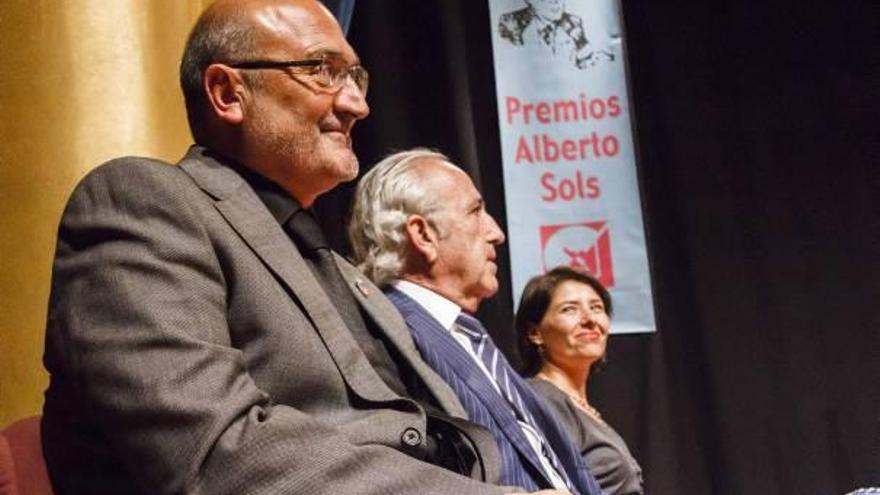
(549, 25)
(586, 246)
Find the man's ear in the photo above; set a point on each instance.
(225, 92)
(422, 237)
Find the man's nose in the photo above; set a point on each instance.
(496, 235)
(351, 100)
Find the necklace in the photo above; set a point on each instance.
(578, 401)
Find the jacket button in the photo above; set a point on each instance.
(411, 437)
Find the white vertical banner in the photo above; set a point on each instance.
(570, 180)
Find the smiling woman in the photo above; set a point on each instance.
(562, 328)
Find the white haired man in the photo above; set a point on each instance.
(421, 231)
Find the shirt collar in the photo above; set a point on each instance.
(443, 310)
(280, 204)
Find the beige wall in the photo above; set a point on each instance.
(81, 81)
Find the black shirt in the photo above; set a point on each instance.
(284, 208)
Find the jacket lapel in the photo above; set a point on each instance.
(389, 321)
(241, 207)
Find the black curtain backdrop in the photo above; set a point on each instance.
(757, 133)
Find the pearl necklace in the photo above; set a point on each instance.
(578, 401)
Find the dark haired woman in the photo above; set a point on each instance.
(562, 328)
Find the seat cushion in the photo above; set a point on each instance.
(24, 445)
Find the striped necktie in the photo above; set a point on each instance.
(502, 373)
(495, 362)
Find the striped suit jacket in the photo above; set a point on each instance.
(486, 407)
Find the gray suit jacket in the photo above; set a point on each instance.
(191, 350)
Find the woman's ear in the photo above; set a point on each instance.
(225, 93)
(422, 237)
(535, 336)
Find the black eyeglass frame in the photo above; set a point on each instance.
(314, 62)
(276, 64)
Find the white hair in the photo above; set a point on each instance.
(385, 197)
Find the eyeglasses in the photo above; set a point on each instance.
(329, 74)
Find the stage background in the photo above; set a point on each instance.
(81, 81)
(757, 134)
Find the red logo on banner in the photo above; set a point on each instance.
(579, 245)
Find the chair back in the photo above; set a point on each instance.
(22, 466)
